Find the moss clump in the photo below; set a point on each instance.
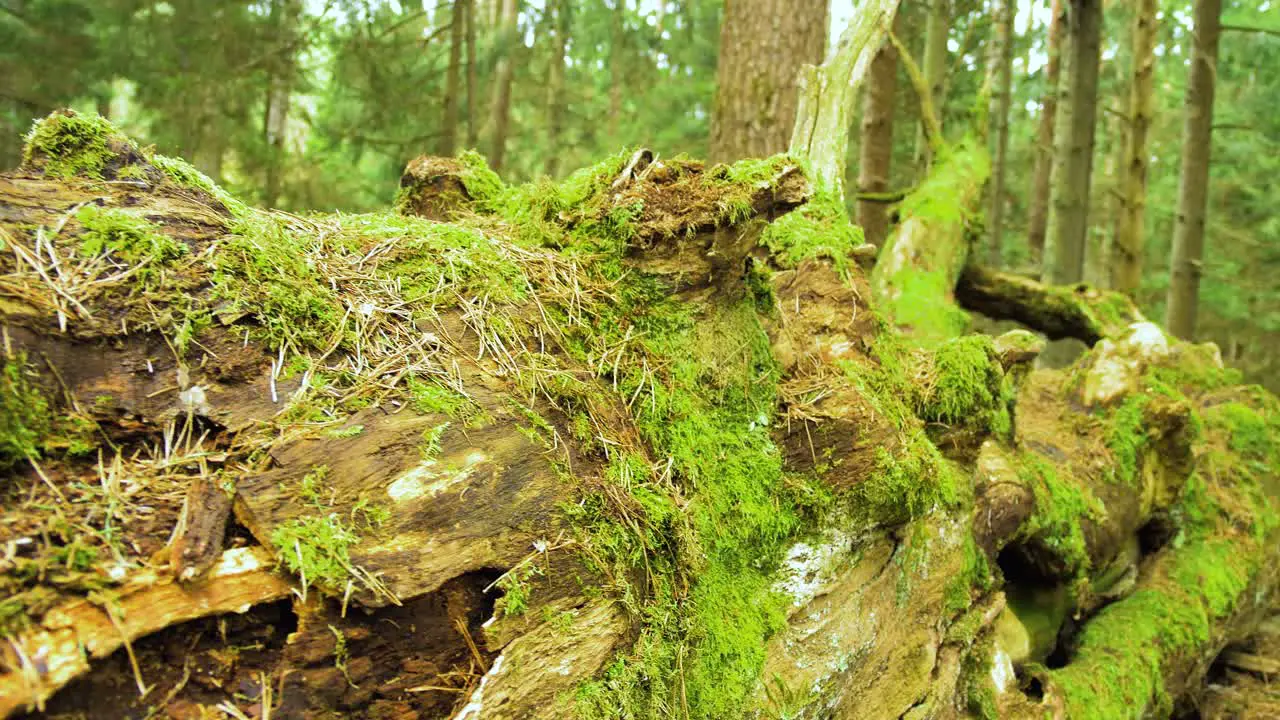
(71, 145)
(819, 228)
(316, 549)
(1255, 436)
(1117, 670)
(265, 268)
(24, 413)
(905, 484)
(482, 184)
(1127, 436)
(183, 174)
(130, 238)
(966, 385)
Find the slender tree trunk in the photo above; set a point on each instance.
(936, 28)
(1000, 63)
(500, 112)
(1193, 181)
(616, 62)
(1127, 251)
(276, 119)
(453, 82)
(763, 44)
(1073, 162)
(1038, 214)
(473, 118)
(876, 146)
(555, 83)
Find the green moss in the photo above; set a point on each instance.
(917, 293)
(919, 307)
(264, 268)
(1127, 436)
(430, 445)
(979, 690)
(967, 384)
(316, 548)
(905, 484)
(24, 413)
(1250, 433)
(482, 184)
(941, 198)
(73, 145)
(132, 172)
(975, 574)
(128, 237)
(312, 485)
(183, 174)
(516, 590)
(1061, 505)
(819, 228)
(1117, 670)
(346, 432)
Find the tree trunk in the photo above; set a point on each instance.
(1041, 180)
(876, 145)
(473, 117)
(453, 81)
(934, 65)
(500, 110)
(617, 62)
(1193, 179)
(278, 97)
(999, 64)
(1127, 250)
(485, 475)
(763, 44)
(559, 29)
(1073, 161)
(827, 92)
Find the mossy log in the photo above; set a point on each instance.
(1081, 312)
(638, 444)
(915, 276)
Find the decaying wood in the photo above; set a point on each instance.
(197, 543)
(895, 607)
(40, 662)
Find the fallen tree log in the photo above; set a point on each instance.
(1081, 312)
(638, 444)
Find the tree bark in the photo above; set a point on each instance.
(276, 116)
(1193, 180)
(1041, 182)
(876, 146)
(934, 66)
(453, 81)
(559, 29)
(473, 117)
(821, 132)
(1000, 64)
(500, 109)
(1073, 161)
(763, 44)
(617, 61)
(1127, 250)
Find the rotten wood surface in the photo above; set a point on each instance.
(39, 662)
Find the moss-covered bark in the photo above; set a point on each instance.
(635, 445)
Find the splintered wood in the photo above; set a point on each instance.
(39, 662)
